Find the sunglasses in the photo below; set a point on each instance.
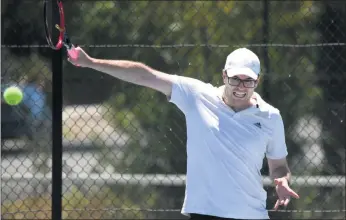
(247, 83)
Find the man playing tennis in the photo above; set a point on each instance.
(230, 129)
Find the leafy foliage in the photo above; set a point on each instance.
(291, 78)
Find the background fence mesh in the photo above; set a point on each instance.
(124, 145)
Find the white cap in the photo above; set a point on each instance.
(243, 61)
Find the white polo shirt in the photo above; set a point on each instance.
(225, 151)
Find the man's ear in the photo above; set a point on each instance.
(258, 81)
(259, 78)
(224, 76)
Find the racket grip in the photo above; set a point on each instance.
(73, 53)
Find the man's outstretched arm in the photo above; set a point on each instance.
(129, 71)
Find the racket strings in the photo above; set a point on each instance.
(48, 28)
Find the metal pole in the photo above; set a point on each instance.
(265, 55)
(56, 130)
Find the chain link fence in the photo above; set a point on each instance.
(124, 145)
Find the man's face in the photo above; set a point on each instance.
(239, 89)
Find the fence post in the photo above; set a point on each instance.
(57, 135)
(266, 63)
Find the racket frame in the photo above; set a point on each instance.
(63, 39)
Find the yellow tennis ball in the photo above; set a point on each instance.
(13, 95)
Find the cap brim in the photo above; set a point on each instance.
(241, 71)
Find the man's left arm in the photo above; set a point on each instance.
(276, 149)
(278, 168)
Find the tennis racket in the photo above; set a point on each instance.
(63, 39)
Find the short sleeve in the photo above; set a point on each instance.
(184, 91)
(277, 148)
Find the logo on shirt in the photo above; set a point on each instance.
(258, 125)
